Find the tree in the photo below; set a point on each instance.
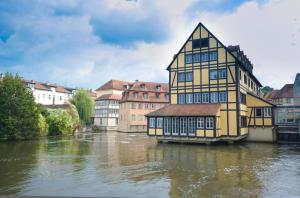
(84, 105)
(19, 115)
(266, 89)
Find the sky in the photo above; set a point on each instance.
(84, 43)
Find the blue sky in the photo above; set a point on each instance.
(84, 43)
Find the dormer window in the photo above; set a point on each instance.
(142, 86)
(158, 88)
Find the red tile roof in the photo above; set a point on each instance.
(270, 95)
(157, 92)
(61, 89)
(41, 86)
(187, 110)
(114, 84)
(110, 97)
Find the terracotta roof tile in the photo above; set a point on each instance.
(110, 97)
(41, 86)
(61, 89)
(187, 110)
(114, 84)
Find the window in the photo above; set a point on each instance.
(167, 126)
(209, 123)
(204, 56)
(213, 56)
(135, 95)
(189, 98)
(140, 106)
(153, 106)
(196, 58)
(181, 77)
(213, 74)
(146, 96)
(223, 96)
(243, 98)
(258, 112)
(243, 121)
(214, 97)
(181, 98)
(267, 112)
(158, 88)
(200, 123)
(157, 95)
(189, 76)
(151, 122)
(188, 58)
(197, 98)
(146, 106)
(49, 97)
(196, 43)
(60, 98)
(159, 122)
(222, 73)
(245, 79)
(133, 105)
(133, 117)
(205, 97)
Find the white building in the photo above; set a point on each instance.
(49, 94)
(106, 115)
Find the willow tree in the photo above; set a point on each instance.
(19, 115)
(84, 105)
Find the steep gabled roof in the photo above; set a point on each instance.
(271, 95)
(287, 91)
(149, 86)
(226, 48)
(113, 84)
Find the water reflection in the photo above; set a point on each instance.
(116, 164)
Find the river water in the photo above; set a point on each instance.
(134, 165)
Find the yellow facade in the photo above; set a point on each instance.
(236, 82)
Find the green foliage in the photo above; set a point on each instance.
(74, 114)
(60, 122)
(19, 115)
(84, 105)
(43, 126)
(266, 89)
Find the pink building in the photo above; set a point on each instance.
(138, 100)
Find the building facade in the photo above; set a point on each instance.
(48, 93)
(106, 114)
(138, 100)
(214, 95)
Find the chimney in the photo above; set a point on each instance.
(136, 80)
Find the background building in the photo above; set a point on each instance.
(106, 115)
(48, 93)
(138, 100)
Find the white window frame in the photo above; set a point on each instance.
(189, 98)
(181, 77)
(189, 76)
(206, 96)
(197, 98)
(223, 96)
(159, 122)
(209, 123)
(200, 122)
(181, 98)
(188, 58)
(214, 97)
(267, 112)
(151, 122)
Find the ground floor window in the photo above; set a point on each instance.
(209, 123)
(243, 121)
(152, 122)
(200, 122)
(267, 112)
(159, 122)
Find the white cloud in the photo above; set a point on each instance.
(268, 33)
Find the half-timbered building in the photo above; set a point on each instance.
(214, 95)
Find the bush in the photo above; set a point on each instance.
(84, 105)
(43, 126)
(60, 122)
(75, 116)
(19, 115)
